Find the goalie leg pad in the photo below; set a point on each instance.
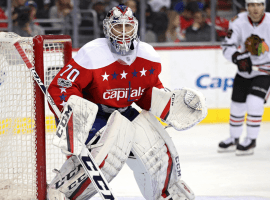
(111, 149)
(181, 109)
(155, 162)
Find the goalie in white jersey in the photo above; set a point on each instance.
(251, 32)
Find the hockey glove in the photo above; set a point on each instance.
(243, 61)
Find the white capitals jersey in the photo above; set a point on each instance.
(243, 31)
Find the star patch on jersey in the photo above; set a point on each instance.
(63, 89)
(105, 76)
(124, 75)
(63, 103)
(134, 73)
(151, 70)
(63, 97)
(114, 76)
(229, 33)
(143, 72)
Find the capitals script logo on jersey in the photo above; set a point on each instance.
(130, 93)
(120, 93)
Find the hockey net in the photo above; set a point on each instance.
(27, 156)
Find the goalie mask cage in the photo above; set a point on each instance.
(27, 156)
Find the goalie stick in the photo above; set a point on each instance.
(86, 159)
(257, 68)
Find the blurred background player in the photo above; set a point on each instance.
(250, 30)
(114, 72)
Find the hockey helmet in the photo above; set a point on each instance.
(122, 41)
(254, 1)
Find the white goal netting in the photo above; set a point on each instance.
(18, 126)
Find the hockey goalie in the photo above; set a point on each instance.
(110, 74)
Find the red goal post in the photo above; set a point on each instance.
(26, 123)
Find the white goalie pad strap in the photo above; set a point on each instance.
(184, 109)
(156, 162)
(76, 121)
(111, 150)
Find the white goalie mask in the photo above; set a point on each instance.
(254, 1)
(120, 28)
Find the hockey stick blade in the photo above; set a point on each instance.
(257, 68)
(97, 178)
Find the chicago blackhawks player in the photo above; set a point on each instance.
(251, 32)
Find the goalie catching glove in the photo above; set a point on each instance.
(182, 109)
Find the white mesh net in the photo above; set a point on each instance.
(17, 119)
